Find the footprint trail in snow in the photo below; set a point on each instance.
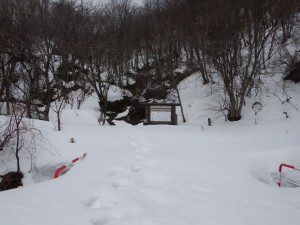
(132, 183)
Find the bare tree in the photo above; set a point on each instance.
(285, 12)
(57, 107)
(17, 134)
(240, 43)
(9, 51)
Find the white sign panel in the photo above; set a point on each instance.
(160, 113)
(160, 116)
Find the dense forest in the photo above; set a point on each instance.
(51, 48)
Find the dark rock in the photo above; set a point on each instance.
(294, 74)
(11, 180)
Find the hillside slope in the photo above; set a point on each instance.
(189, 174)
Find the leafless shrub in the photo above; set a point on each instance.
(18, 135)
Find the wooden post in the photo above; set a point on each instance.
(209, 121)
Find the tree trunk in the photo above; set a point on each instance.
(233, 112)
(7, 101)
(7, 108)
(28, 109)
(202, 67)
(46, 111)
(103, 110)
(58, 121)
(179, 101)
(18, 149)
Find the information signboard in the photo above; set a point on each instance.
(160, 113)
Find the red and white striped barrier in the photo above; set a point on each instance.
(69, 165)
(286, 180)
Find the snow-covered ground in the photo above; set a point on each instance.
(189, 174)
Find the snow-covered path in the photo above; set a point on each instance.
(164, 175)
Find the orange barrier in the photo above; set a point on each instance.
(61, 168)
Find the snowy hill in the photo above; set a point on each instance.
(190, 174)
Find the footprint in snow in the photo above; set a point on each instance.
(142, 146)
(117, 173)
(136, 146)
(100, 202)
(122, 185)
(136, 169)
(105, 220)
(125, 173)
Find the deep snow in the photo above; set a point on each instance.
(189, 174)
